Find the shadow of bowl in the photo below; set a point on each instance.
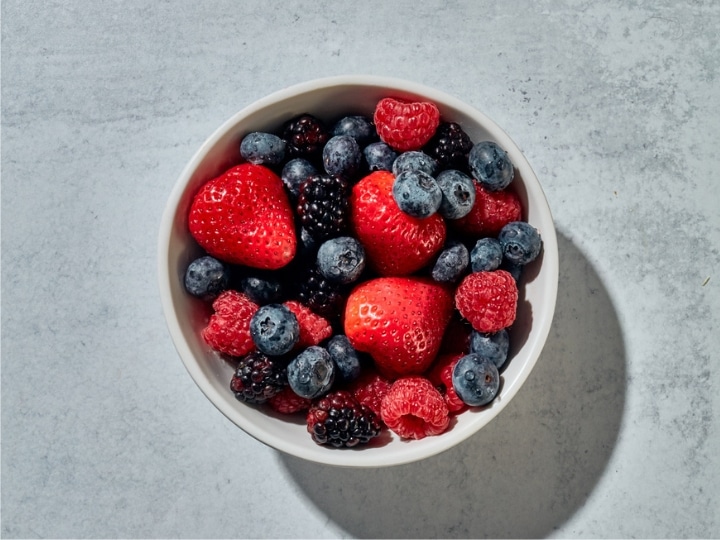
(530, 469)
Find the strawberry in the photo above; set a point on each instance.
(314, 329)
(488, 300)
(399, 321)
(490, 213)
(244, 217)
(228, 330)
(406, 125)
(395, 243)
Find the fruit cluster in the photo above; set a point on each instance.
(363, 274)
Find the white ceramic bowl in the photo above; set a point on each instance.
(331, 98)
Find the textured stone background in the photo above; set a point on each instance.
(617, 107)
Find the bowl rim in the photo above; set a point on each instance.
(332, 456)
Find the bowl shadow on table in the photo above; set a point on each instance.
(525, 473)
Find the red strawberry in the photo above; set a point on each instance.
(490, 213)
(441, 376)
(395, 243)
(399, 321)
(413, 408)
(488, 300)
(406, 125)
(228, 330)
(314, 329)
(244, 217)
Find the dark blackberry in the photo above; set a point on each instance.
(321, 295)
(450, 146)
(323, 206)
(339, 420)
(258, 377)
(305, 137)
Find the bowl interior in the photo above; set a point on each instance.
(331, 99)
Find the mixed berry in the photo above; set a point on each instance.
(363, 271)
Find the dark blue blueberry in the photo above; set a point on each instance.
(345, 357)
(342, 157)
(341, 259)
(379, 156)
(206, 277)
(458, 191)
(515, 270)
(262, 148)
(493, 347)
(491, 166)
(294, 173)
(417, 194)
(486, 255)
(475, 380)
(311, 373)
(261, 290)
(274, 329)
(359, 128)
(451, 263)
(414, 160)
(521, 242)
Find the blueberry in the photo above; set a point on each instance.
(451, 263)
(311, 373)
(262, 148)
(458, 191)
(261, 290)
(486, 255)
(342, 157)
(379, 156)
(414, 160)
(345, 357)
(521, 242)
(274, 329)
(491, 166)
(341, 259)
(493, 347)
(475, 380)
(294, 173)
(417, 193)
(515, 270)
(359, 128)
(206, 277)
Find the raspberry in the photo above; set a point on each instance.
(228, 330)
(258, 377)
(488, 300)
(370, 389)
(338, 419)
(490, 213)
(314, 329)
(441, 376)
(406, 125)
(288, 402)
(450, 146)
(413, 408)
(323, 206)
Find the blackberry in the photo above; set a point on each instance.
(339, 420)
(321, 295)
(323, 206)
(305, 136)
(258, 377)
(450, 146)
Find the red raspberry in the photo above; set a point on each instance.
(488, 300)
(228, 330)
(406, 125)
(441, 376)
(370, 388)
(288, 402)
(490, 213)
(413, 408)
(314, 329)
